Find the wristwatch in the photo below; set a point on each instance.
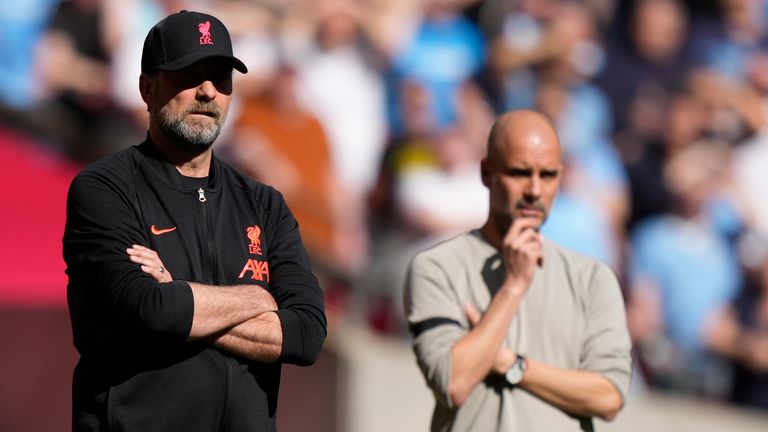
(515, 374)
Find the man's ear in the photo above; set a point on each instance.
(146, 88)
(485, 172)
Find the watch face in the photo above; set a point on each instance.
(515, 374)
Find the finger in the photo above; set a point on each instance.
(150, 269)
(146, 261)
(145, 256)
(154, 271)
(472, 314)
(522, 228)
(150, 262)
(524, 223)
(530, 245)
(139, 248)
(153, 265)
(526, 237)
(142, 252)
(159, 273)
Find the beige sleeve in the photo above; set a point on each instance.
(607, 347)
(436, 320)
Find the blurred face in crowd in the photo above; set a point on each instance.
(576, 32)
(694, 175)
(522, 169)
(189, 106)
(686, 120)
(453, 150)
(339, 28)
(658, 29)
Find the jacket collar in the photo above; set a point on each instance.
(167, 173)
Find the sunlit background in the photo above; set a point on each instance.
(371, 116)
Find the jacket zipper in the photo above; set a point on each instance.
(208, 260)
(208, 250)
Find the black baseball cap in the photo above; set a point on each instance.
(184, 38)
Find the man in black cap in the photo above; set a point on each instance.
(200, 350)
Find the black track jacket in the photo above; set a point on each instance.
(136, 371)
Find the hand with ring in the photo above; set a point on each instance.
(150, 262)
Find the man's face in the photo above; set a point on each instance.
(523, 176)
(190, 106)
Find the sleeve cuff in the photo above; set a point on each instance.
(293, 348)
(183, 304)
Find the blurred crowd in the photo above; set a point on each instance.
(371, 116)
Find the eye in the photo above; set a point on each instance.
(180, 79)
(549, 174)
(519, 172)
(223, 82)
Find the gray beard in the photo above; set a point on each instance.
(190, 135)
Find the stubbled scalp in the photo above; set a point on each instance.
(520, 126)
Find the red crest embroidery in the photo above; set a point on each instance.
(254, 234)
(259, 270)
(205, 33)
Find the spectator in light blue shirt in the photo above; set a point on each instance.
(445, 51)
(683, 270)
(22, 23)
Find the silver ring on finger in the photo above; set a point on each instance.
(162, 270)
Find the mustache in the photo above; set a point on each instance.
(207, 108)
(527, 205)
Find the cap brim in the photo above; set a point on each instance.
(190, 59)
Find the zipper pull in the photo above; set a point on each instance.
(201, 196)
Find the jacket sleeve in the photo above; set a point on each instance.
(105, 288)
(296, 291)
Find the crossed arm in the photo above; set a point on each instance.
(480, 353)
(575, 391)
(240, 319)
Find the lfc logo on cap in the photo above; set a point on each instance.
(205, 33)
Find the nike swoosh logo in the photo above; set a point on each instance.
(161, 231)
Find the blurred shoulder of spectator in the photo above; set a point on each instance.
(739, 331)
(75, 64)
(345, 91)
(277, 141)
(645, 62)
(683, 270)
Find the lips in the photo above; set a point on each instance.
(205, 113)
(530, 212)
(206, 110)
(533, 211)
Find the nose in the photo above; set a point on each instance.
(533, 189)
(206, 91)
